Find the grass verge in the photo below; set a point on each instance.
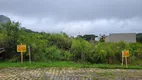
(66, 64)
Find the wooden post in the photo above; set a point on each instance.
(21, 56)
(29, 54)
(122, 62)
(126, 62)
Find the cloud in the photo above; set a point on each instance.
(76, 16)
(73, 28)
(73, 9)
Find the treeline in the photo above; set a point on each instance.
(139, 37)
(61, 47)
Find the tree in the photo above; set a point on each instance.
(62, 41)
(10, 31)
(139, 37)
(102, 38)
(88, 37)
(80, 48)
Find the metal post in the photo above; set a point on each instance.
(29, 54)
(122, 57)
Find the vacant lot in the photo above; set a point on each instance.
(69, 74)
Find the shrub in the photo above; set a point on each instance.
(53, 53)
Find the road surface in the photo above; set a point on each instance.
(69, 74)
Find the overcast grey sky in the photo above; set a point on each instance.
(76, 16)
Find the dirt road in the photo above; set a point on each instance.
(69, 74)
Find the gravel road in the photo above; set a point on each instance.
(69, 74)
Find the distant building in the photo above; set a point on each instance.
(126, 37)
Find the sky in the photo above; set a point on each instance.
(76, 17)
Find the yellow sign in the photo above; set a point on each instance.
(125, 53)
(21, 48)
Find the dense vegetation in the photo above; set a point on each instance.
(139, 37)
(60, 47)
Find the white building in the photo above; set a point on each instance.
(117, 37)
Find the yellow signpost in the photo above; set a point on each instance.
(125, 54)
(21, 48)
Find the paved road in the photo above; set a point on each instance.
(69, 74)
